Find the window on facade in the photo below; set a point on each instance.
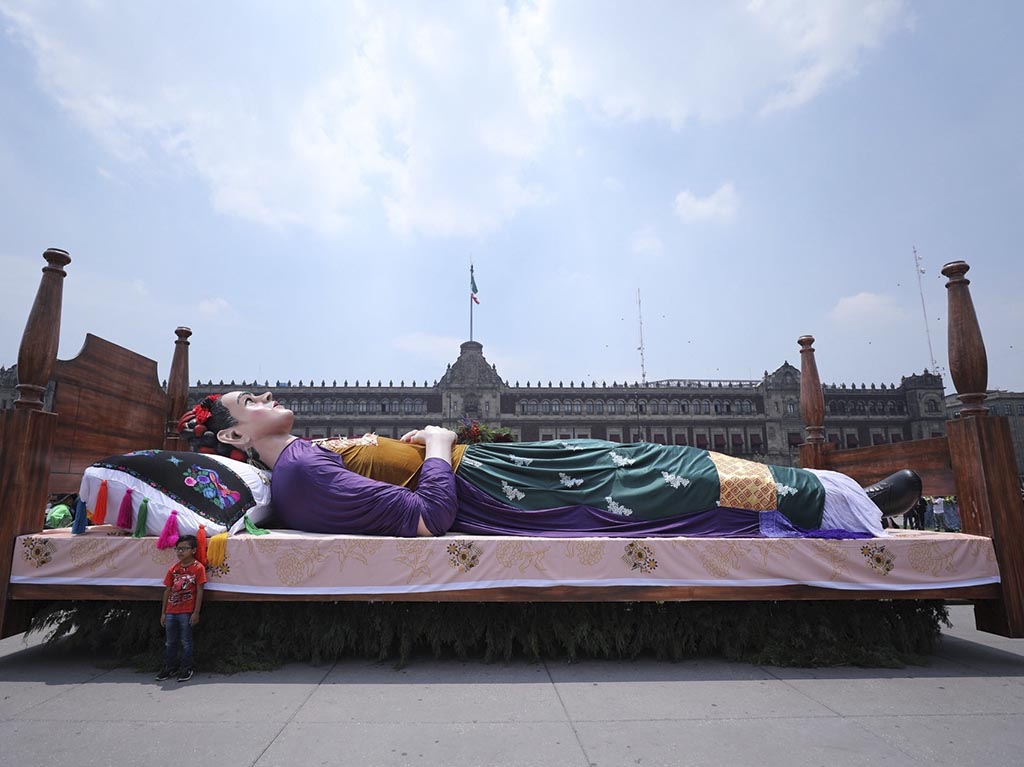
(556, 407)
(418, 406)
(702, 441)
(931, 406)
(533, 408)
(522, 408)
(833, 438)
(790, 407)
(659, 439)
(305, 406)
(680, 439)
(614, 437)
(936, 434)
(564, 436)
(373, 406)
(599, 407)
(737, 443)
(545, 407)
(877, 439)
(706, 408)
(350, 406)
(577, 407)
(675, 408)
(756, 444)
(895, 437)
(546, 436)
(317, 406)
(407, 406)
(1020, 409)
(590, 408)
(852, 441)
(362, 406)
(794, 439)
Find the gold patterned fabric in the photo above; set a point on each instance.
(384, 459)
(745, 484)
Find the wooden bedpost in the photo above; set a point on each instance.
(812, 407)
(981, 453)
(177, 390)
(28, 431)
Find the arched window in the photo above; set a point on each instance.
(317, 406)
(533, 407)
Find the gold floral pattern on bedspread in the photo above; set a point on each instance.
(931, 560)
(296, 566)
(38, 551)
(640, 556)
(521, 554)
(878, 558)
(94, 554)
(464, 556)
(416, 557)
(723, 558)
(833, 554)
(588, 553)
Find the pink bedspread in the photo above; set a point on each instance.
(284, 562)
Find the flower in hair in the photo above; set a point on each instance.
(202, 410)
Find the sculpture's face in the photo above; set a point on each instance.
(257, 415)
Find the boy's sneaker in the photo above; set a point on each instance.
(184, 675)
(165, 674)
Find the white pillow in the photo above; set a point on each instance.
(203, 489)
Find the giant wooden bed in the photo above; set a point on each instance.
(44, 452)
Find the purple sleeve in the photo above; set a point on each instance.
(313, 491)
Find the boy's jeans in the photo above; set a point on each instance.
(178, 629)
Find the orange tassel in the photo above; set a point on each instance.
(99, 514)
(201, 544)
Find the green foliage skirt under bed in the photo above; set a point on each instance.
(236, 636)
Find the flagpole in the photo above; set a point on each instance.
(471, 282)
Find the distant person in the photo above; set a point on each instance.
(183, 598)
(939, 511)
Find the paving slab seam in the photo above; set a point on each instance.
(572, 724)
(295, 713)
(797, 690)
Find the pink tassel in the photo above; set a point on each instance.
(169, 535)
(124, 513)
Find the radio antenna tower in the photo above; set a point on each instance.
(927, 332)
(640, 348)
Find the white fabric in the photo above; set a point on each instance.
(847, 506)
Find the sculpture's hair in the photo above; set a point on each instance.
(201, 424)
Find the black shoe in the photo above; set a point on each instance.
(897, 493)
(185, 675)
(165, 674)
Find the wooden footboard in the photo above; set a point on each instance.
(974, 461)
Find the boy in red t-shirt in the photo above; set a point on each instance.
(183, 596)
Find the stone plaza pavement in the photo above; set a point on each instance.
(965, 708)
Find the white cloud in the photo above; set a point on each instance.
(720, 205)
(440, 119)
(212, 307)
(646, 242)
(675, 62)
(867, 310)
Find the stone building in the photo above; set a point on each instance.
(1006, 403)
(757, 419)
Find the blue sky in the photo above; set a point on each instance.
(304, 184)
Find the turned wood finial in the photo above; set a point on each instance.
(812, 398)
(39, 342)
(177, 381)
(968, 362)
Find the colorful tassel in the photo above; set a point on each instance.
(140, 520)
(99, 512)
(251, 528)
(81, 518)
(201, 544)
(169, 535)
(124, 513)
(217, 550)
